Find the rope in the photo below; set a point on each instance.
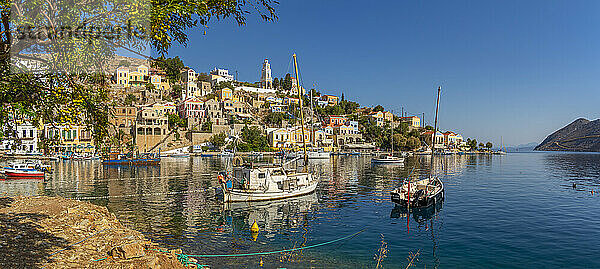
(79, 242)
(269, 252)
(137, 195)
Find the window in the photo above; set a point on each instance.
(24, 133)
(31, 133)
(262, 175)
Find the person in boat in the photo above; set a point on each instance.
(228, 182)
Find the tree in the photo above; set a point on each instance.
(489, 145)
(223, 85)
(429, 128)
(275, 83)
(274, 118)
(413, 143)
(171, 66)
(481, 145)
(204, 77)
(206, 126)
(472, 143)
(399, 141)
(175, 121)
(252, 139)
(77, 93)
(287, 82)
(349, 107)
(378, 108)
(218, 140)
(176, 91)
(130, 99)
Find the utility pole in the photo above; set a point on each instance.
(423, 120)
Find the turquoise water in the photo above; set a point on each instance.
(518, 211)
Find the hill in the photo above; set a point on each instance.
(580, 135)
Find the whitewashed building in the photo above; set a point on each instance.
(23, 139)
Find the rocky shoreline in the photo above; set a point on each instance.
(54, 232)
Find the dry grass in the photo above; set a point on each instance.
(381, 253)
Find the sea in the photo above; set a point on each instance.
(520, 210)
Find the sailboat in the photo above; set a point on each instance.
(262, 183)
(424, 192)
(388, 158)
(502, 150)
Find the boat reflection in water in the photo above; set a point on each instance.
(424, 217)
(420, 215)
(271, 216)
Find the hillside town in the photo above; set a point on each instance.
(168, 106)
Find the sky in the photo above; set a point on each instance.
(512, 70)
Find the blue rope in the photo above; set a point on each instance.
(79, 242)
(274, 252)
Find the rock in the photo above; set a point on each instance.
(61, 226)
(128, 251)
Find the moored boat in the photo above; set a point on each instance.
(23, 170)
(145, 159)
(387, 159)
(319, 155)
(421, 193)
(248, 184)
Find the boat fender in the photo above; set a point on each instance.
(254, 227)
(238, 161)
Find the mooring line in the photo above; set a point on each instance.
(130, 178)
(139, 194)
(185, 256)
(78, 242)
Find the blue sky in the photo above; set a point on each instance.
(516, 69)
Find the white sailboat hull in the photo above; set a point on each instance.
(259, 195)
(388, 160)
(319, 155)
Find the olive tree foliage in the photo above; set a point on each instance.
(72, 42)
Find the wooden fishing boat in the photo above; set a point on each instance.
(249, 184)
(424, 192)
(421, 193)
(23, 170)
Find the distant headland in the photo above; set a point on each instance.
(581, 135)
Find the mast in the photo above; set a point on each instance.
(301, 112)
(437, 107)
(312, 117)
(392, 133)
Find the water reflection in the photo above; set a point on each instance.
(175, 204)
(272, 216)
(420, 215)
(581, 169)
